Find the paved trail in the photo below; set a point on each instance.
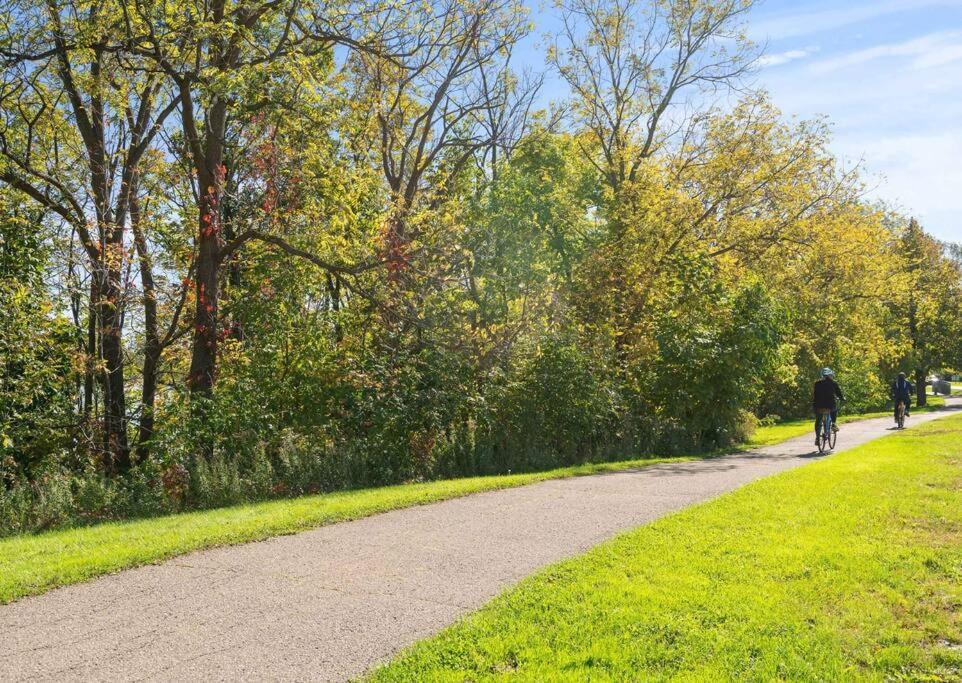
(330, 603)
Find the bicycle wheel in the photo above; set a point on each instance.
(826, 434)
(832, 438)
(901, 422)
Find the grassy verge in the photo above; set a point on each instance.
(767, 435)
(32, 564)
(850, 569)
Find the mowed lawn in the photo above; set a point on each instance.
(849, 569)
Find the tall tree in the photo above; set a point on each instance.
(445, 95)
(932, 306)
(637, 69)
(78, 119)
(227, 60)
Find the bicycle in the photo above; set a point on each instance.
(827, 436)
(900, 415)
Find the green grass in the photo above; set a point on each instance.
(34, 563)
(849, 569)
(767, 435)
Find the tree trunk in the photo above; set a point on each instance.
(152, 346)
(203, 362)
(334, 293)
(920, 375)
(91, 355)
(116, 443)
(208, 157)
(148, 397)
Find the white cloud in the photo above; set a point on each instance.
(807, 22)
(894, 105)
(921, 173)
(780, 58)
(945, 54)
(932, 50)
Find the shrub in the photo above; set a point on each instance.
(553, 409)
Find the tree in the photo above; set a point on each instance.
(931, 307)
(442, 96)
(79, 118)
(636, 70)
(226, 61)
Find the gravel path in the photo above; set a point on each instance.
(330, 603)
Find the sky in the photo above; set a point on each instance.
(886, 73)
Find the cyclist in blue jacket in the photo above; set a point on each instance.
(902, 391)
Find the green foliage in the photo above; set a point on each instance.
(530, 428)
(37, 380)
(711, 367)
(534, 222)
(363, 274)
(62, 498)
(928, 312)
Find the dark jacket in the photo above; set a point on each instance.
(902, 389)
(826, 391)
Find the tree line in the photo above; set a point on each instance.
(252, 248)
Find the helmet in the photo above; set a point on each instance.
(827, 372)
(902, 375)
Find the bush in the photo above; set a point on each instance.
(858, 376)
(710, 368)
(553, 409)
(62, 498)
(37, 346)
(215, 482)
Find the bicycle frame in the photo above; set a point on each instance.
(900, 410)
(826, 423)
(825, 434)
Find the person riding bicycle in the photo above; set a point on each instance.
(902, 391)
(823, 398)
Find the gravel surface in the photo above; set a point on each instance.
(329, 604)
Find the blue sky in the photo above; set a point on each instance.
(886, 73)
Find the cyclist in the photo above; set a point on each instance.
(902, 391)
(823, 398)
